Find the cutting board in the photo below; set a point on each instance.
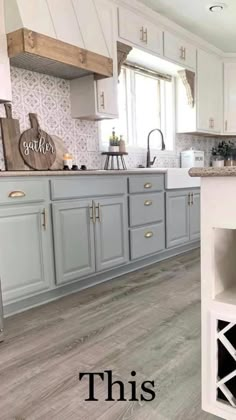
(37, 148)
(61, 151)
(10, 129)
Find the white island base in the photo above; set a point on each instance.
(218, 276)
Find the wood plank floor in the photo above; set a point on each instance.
(147, 321)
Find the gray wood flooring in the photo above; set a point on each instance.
(147, 321)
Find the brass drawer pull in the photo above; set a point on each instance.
(16, 194)
(99, 216)
(148, 235)
(44, 214)
(148, 203)
(148, 185)
(93, 211)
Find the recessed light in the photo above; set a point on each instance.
(216, 8)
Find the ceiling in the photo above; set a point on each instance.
(217, 28)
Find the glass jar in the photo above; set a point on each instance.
(218, 161)
(230, 160)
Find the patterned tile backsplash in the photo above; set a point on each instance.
(49, 97)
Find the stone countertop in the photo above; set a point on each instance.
(145, 171)
(213, 172)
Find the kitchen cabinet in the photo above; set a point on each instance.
(209, 92)
(26, 251)
(206, 114)
(139, 31)
(5, 85)
(89, 237)
(182, 217)
(111, 233)
(179, 50)
(74, 240)
(229, 98)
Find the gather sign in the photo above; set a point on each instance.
(36, 147)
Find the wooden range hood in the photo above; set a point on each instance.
(33, 51)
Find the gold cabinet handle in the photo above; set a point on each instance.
(99, 216)
(148, 235)
(148, 185)
(226, 125)
(184, 53)
(16, 194)
(148, 203)
(189, 199)
(93, 213)
(44, 214)
(145, 33)
(142, 34)
(103, 100)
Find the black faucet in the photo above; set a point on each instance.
(163, 146)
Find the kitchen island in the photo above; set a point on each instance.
(62, 231)
(218, 289)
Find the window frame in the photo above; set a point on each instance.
(131, 115)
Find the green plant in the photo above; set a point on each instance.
(223, 149)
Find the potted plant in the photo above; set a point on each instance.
(114, 142)
(221, 153)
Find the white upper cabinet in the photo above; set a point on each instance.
(25, 14)
(90, 26)
(5, 80)
(65, 22)
(229, 98)
(139, 31)
(179, 50)
(209, 92)
(207, 114)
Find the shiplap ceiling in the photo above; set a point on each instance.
(217, 28)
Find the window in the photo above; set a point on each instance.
(145, 102)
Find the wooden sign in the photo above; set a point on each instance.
(37, 148)
(10, 129)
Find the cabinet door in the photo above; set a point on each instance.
(63, 17)
(90, 26)
(195, 216)
(230, 97)
(26, 251)
(177, 218)
(209, 92)
(74, 241)
(179, 50)
(139, 31)
(111, 233)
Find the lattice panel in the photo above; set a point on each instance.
(226, 382)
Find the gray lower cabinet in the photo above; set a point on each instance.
(111, 233)
(195, 216)
(182, 217)
(26, 251)
(85, 244)
(74, 241)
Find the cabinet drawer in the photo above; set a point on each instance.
(87, 187)
(146, 183)
(139, 31)
(23, 191)
(180, 51)
(148, 208)
(147, 240)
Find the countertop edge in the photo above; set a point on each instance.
(225, 171)
(12, 174)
